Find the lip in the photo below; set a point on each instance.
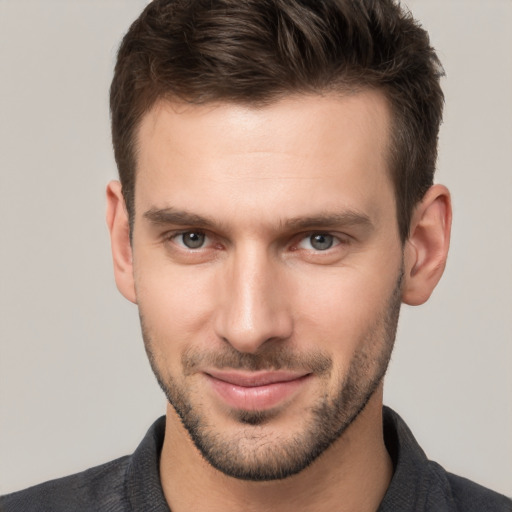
(255, 391)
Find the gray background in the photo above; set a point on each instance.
(75, 386)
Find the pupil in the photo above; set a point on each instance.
(321, 242)
(193, 240)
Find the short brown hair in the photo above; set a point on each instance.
(256, 51)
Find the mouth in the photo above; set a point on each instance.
(256, 391)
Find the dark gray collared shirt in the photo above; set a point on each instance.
(132, 483)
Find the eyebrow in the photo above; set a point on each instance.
(177, 217)
(171, 216)
(327, 220)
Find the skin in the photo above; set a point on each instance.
(257, 294)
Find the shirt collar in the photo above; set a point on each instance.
(143, 487)
(417, 484)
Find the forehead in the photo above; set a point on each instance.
(308, 116)
(328, 149)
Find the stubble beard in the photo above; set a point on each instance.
(257, 453)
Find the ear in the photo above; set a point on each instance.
(426, 249)
(119, 227)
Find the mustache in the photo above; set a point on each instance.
(268, 358)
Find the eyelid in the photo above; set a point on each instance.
(172, 236)
(307, 238)
(339, 239)
(210, 239)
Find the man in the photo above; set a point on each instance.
(276, 206)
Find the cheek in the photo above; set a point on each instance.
(175, 302)
(339, 308)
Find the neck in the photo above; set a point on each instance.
(352, 474)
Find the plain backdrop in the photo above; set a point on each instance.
(75, 387)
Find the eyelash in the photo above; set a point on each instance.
(338, 239)
(173, 236)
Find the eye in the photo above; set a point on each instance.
(318, 242)
(191, 239)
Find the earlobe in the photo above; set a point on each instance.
(119, 227)
(426, 249)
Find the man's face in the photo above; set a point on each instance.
(267, 267)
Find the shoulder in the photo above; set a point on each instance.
(98, 488)
(469, 496)
(462, 495)
(421, 484)
(121, 485)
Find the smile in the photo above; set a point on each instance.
(255, 391)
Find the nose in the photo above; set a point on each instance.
(253, 301)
